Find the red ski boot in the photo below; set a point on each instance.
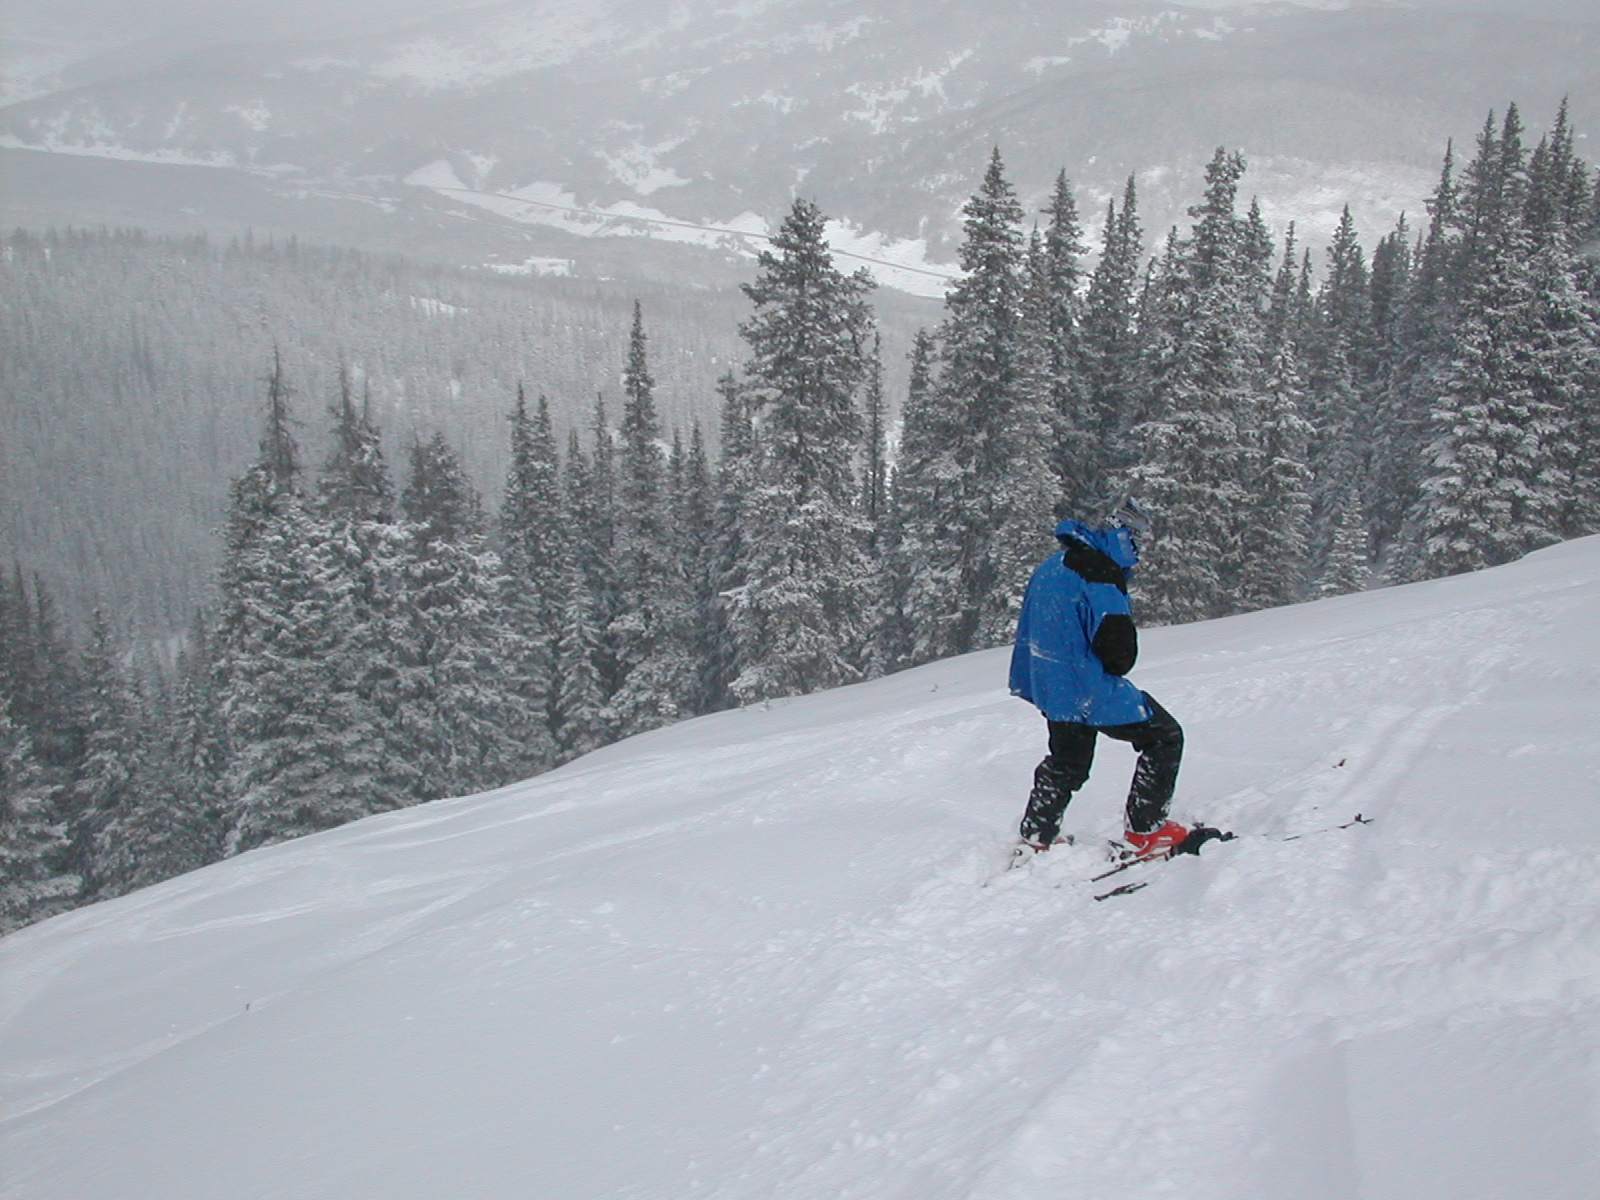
(1160, 841)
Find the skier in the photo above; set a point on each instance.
(1075, 646)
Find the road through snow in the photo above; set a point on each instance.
(770, 953)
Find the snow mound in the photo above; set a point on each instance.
(771, 953)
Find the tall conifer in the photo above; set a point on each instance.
(533, 535)
(800, 616)
(1195, 452)
(1110, 332)
(651, 626)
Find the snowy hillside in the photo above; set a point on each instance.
(766, 954)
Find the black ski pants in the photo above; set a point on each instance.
(1159, 742)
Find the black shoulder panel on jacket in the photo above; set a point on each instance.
(1094, 566)
(1116, 643)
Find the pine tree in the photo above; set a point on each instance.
(1345, 300)
(652, 623)
(40, 676)
(166, 829)
(973, 557)
(738, 472)
(1277, 537)
(923, 597)
(533, 537)
(356, 553)
(305, 739)
(1390, 277)
(1206, 361)
(1052, 337)
(913, 501)
(1256, 256)
(593, 515)
(1345, 567)
(1562, 353)
(355, 480)
(877, 514)
(1285, 320)
(128, 820)
(799, 617)
(36, 879)
(581, 722)
(460, 713)
(1110, 333)
(1337, 455)
(1340, 346)
(1495, 487)
(695, 512)
(110, 779)
(1423, 328)
(1396, 441)
(875, 462)
(1051, 465)
(196, 733)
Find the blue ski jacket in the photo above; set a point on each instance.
(1075, 637)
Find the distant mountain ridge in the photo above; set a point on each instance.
(697, 123)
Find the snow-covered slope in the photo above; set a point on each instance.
(766, 954)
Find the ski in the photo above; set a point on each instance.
(1358, 819)
(1199, 836)
(1124, 889)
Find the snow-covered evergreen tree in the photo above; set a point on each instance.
(1276, 540)
(1495, 486)
(913, 498)
(1338, 343)
(40, 675)
(357, 554)
(1110, 336)
(460, 715)
(282, 613)
(113, 779)
(592, 512)
(355, 481)
(1397, 435)
(533, 539)
(695, 509)
(196, 735)
(1563, 321)
(1052, 465)
(875, 447)
(303, 741)
(1194, 444)
(167, 828)
(926, 582)
(36, 878)
(799, 616)
(1345, 566)
(972, 554)
(581, 721)
(736, 479)
(1053, 351)
(650, 631)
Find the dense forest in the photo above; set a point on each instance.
(130, 372)
(383, 638)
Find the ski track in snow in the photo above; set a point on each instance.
(775, 952)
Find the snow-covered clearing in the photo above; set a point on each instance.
(753, 956)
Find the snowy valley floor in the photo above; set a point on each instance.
(767, 955)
